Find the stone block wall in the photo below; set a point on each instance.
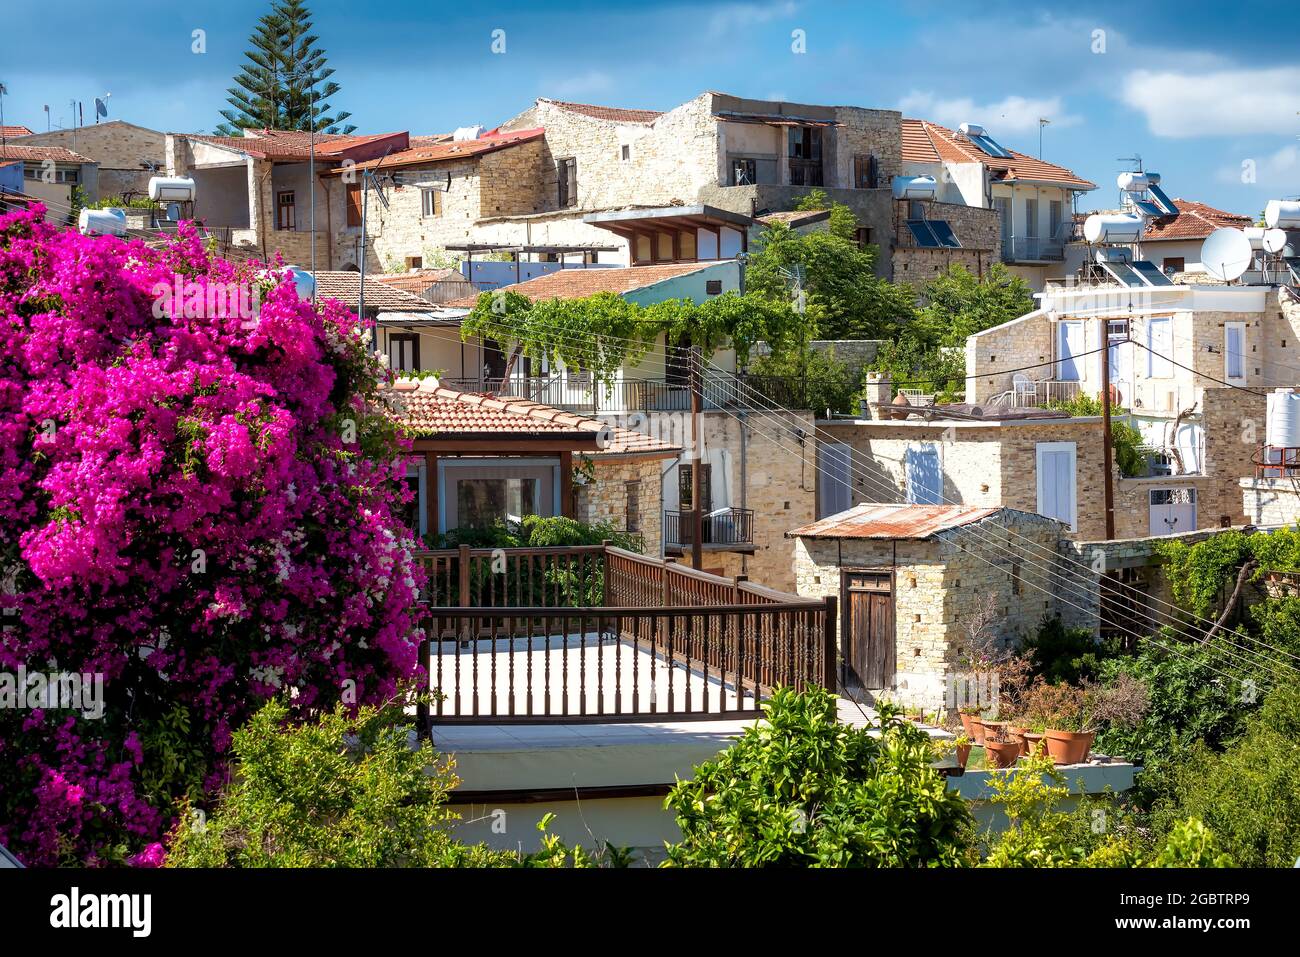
(1012, 345)
(1235, 426)
(118, 147)
(1271, 501)
(606, 498)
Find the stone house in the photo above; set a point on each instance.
(1190, 364)
(1034, 200)
(255, 195)
(478, 459)
(51, 174)
(127, 155)
(912, 579)
(1037, 461)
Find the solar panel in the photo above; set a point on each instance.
(1166, 204)
(1293, 264)
(944, 234)
(1150, 272)
(1147, 208)
(922, 233)
(1122, 273)
(989, 145)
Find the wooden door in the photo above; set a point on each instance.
(869, 627)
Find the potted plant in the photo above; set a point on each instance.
(961, 747)
(1001, 750)
(969, 717)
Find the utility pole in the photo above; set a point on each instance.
(697, 459)
(1105, 427)
(365, 203)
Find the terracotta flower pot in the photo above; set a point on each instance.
(965, 722)
(1002, 754)
(976, 731)
(1034, 743)
(1069, 747)
(995, 729)
(1018, 735)
(963, 754)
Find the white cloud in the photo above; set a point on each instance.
(1014, 114)
(730, 17)
(1279, 171)
(1222, 102)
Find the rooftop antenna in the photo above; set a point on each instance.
(3, 90)
(1042, 121)
(794, 276)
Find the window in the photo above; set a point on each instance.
(625, 153)
(866, 171)
(566, 172)
(863, 235)
(1234, 352)
(403, 351)
(1054, 219)
(1056, 481)
(664, 247)
(1003, 205)
(712, 287)
(284, 210)
(684, 479)
(632, 516)
(430, 203)
(1174, 264)
(1160, 341)
(744, 172)
(59, 174)
(481, 502)
(924, 475)
(414, 262)
(834, 478)
(642, 251)
(686, 245)
(1031, 218)
(805, 155)
(1069, 345)
(353, 200)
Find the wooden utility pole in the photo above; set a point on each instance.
(1107, 455)
(697, 459)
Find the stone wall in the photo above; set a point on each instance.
(938, 584)
(1271, 501)
(1012, 345)
(916, 266)
(1235, 426)
(606, 498)
(118, 147)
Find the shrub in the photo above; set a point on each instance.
(1058, 653)
(184, 510)
(802, 790)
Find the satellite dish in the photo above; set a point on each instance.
(1226, 254)
(1274, 240)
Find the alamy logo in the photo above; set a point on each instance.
(68, 690)
(74, 910)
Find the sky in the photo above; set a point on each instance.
(1208, 94)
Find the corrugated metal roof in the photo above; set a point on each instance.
(893, 521)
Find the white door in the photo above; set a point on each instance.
(834, 491)
(1173, 510)
(924, 475)
(1056, 482)
(1069, 340)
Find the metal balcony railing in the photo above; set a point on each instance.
(582, 394)
(724, 527)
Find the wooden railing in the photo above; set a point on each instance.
(667, 642)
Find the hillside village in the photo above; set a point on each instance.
(831, 397)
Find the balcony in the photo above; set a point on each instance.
(577, 393)
(725, 530)
(598, 634)
(1032, 249)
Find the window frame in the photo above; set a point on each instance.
(1228, 328)
(424, 203)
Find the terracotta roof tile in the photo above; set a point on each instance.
(419, 280)
(446, 412)
(1194, 221)
(577, 283)
(444, 150)
(893, 521)
(614, 113)
(345, 286)
(292, 144)
(926, 142)
(12, 131)
(12, 151)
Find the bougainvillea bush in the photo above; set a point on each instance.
(196, 505)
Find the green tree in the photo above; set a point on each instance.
(800, 789)
(285, 85)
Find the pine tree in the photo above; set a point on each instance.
(274, 90)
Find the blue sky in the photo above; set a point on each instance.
(1208, 94)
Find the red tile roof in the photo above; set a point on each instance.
(448, 149)
(1194, 221)
(926, 142)
(614, 113)
(578, 283)
(32, 154)
(293, 144)
(449, 413)
(419, 280)
(893, 521)
(345, 286)
(12, 131)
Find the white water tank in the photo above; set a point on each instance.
(467, 133)
(1112, 228)
(973, 129)
(102, 222)
(1283, 428)
(1136, 182)
(915, 187)
(171, 189)
(1282, 214)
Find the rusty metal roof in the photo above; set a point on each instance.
(893, 521)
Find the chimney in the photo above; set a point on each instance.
(878, 391)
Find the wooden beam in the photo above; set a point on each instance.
(431, 492)
(566, 484)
